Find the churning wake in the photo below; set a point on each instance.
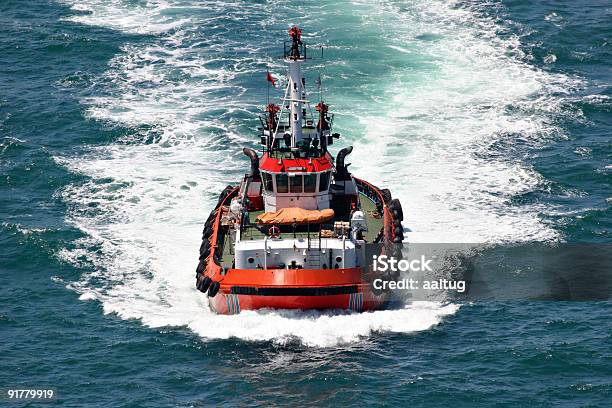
(421, 96)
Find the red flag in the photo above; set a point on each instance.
(270, 78)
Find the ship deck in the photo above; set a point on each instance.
(374, 222)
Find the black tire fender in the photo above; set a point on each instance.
(205, 247)
(396, 207)
(207, 233)
(214, 289)
(386, 194)
(226, 191)
(204, 284)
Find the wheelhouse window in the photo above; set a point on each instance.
(282, 185)
(267, 181)
(310, 183)
(295, 184)
(324, 181)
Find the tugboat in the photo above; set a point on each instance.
(293, 233)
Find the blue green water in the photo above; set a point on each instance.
(120, 121)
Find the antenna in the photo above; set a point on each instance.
(319, 84)
(268, 88)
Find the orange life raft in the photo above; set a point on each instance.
(295, 215)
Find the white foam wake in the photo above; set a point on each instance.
(434, 126)
(145, 18)
(189, 106)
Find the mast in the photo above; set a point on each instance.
(294, 58)
(297, 133)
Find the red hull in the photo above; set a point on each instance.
(295, 289)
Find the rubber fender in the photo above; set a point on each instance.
(212, 215)
(397, 222)
(224, 194)
(214, 288)
(205, 247)
(208, 231)
(204, 284)
(397, 215)
(386, 194)
(211, 219)
(396, 206)
(201, 266)
(397, 231)
(398, 239)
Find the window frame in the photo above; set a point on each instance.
(286, 186)
(291, 186)
(320, 181)
(270, 179)
(314, 185)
